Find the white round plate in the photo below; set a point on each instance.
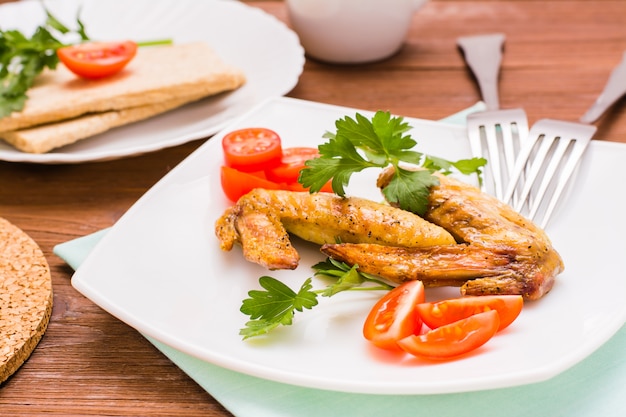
(263, 47)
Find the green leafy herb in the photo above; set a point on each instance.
(22, 59)
(278, 303)
(362, 143)
(274, 306)
(347, 278)
(54, 23)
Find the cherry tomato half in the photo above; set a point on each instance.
(97, 59)
(394, 316)
(237, 183)
(444, 312)
(296, 186)
(252, 149)
(453, 339)
(292, 162)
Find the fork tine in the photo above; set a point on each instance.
(473, 133)
(561, 145)
(563, 179)
(513, 140)
(515, 137)
(553, 163)
(483, 143)
(497, 135)
(533, 168)
(493, 148)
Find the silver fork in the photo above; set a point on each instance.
(552, 152)
(493, 134)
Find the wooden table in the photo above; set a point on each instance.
(558, 57)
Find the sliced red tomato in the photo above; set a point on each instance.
(237, 183)
(444, 312)
(394, 316)
(252, 149)
(453, 339)
(296, 186)
(97, 59)
(292, 162)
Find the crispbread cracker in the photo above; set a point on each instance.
(155, 75)
(25, 297)
(44, 138)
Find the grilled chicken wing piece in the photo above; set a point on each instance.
(437, 266)
(501, 252)
(262, 220)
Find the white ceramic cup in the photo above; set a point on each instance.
(351, 31)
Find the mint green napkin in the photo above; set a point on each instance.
(594, 387)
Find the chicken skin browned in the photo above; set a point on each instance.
(262, 220)
(499, 251)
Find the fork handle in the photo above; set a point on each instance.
(613, 91)
(483, 54)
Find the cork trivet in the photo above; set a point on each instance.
(25, 297)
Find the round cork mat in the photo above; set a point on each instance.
(25, 297)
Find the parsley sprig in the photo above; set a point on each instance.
(277, 304)
(22, 59)
(362, 143)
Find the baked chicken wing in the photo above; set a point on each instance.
(499, 251)
(262, 220)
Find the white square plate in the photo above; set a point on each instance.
(160, 270)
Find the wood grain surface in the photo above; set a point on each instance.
(557, 59)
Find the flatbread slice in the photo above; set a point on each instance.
(157, 74)
(25, 297)
(46, 137)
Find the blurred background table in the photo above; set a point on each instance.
(558, 56)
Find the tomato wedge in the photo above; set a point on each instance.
(292, 162)
(296, 186)
(237, 183)
(97, 59)
(394, 316)
(453, 339)
(444, 312)
(252, 149)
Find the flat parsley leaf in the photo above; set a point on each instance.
(464, 166)
(415, 184)
(383, 141)
(275, 306)
(278, 303)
